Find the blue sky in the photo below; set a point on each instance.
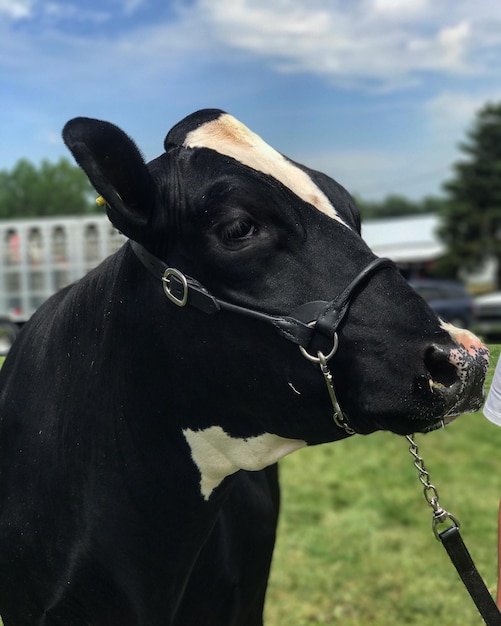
(376, 93)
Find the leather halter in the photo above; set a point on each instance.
(299, 326)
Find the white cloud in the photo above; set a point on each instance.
(131, 6)
(16, 9)
(451, 113)
(376, 44)
(398, 9)
(68, 11)
(454, 40)
(385, 40)
(138, 55)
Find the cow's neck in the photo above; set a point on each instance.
(190, 419)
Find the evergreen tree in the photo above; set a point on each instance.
(50, 189)
(471, 225)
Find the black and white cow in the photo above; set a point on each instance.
(143, 409)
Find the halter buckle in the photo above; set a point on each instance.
(175, 290)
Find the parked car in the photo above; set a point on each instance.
(449, 299)
(488, 315)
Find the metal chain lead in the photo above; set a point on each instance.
(440, 515)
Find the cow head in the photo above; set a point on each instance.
(257, 231)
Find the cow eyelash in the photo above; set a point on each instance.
(238, 231)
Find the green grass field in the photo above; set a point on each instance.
(355, 544)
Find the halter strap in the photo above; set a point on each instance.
(299, 326)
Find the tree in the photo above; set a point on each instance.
(471, 224)
(397, 206)
(50, 189)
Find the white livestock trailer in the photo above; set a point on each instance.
(39, 256)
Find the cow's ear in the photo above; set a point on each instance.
(117, 170)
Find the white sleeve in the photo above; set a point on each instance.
(492, 408)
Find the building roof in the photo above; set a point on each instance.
(408, 239)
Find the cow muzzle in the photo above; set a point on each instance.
(457, 374)
(452, 383)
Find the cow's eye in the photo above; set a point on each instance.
(238, 231)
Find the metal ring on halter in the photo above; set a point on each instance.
(325, 358)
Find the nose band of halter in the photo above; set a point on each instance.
(299, 327)
(329, 315)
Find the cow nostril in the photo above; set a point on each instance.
(441, 370)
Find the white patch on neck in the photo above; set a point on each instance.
(217, 454)
(230, 137)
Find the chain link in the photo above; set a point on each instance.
(440, 515)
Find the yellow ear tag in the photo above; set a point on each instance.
(100, 201)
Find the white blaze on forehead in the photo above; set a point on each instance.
(230, 137)
(217, 455)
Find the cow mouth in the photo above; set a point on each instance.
(459, 407)
(441, 423)
(437, 406)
